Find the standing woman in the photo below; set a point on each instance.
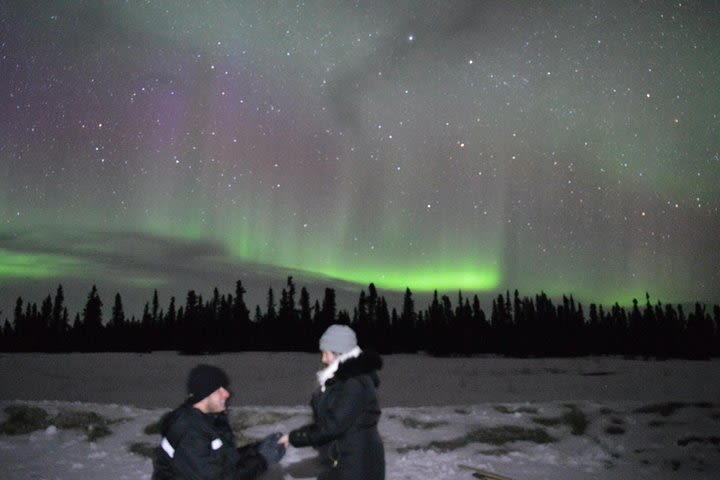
(345, 411)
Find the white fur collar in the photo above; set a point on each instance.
(329, 372)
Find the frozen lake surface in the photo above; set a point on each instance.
(586, 418)
(259, 378)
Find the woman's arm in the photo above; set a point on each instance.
(331, 424)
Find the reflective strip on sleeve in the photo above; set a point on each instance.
(165, 444)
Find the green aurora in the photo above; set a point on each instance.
(557, 148)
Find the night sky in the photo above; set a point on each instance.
(570, 147)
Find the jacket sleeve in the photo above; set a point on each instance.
(333, 423)
(195, 459)
(250, 464)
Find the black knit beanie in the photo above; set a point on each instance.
(204, 380)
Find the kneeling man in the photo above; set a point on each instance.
(197, 441)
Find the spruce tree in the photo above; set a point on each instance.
(90, 328)
(20, 324)
(117, 318)
(57, 326)
(305, 340)
(403, 329)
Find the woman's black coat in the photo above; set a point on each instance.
(345, 416)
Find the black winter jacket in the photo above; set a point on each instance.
(196, 445)
(345, 417)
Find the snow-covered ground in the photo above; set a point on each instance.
(559, 419)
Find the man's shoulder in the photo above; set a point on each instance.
(180, 420)
(182, 411)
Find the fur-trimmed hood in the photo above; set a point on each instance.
(351, 364)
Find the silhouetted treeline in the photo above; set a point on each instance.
(516, 326)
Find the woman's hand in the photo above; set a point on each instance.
(284, 440)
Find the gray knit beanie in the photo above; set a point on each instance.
(338, 338)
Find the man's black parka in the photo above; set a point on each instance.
(197, 445)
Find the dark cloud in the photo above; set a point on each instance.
(134, 264)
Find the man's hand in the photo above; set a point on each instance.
(271, 449)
